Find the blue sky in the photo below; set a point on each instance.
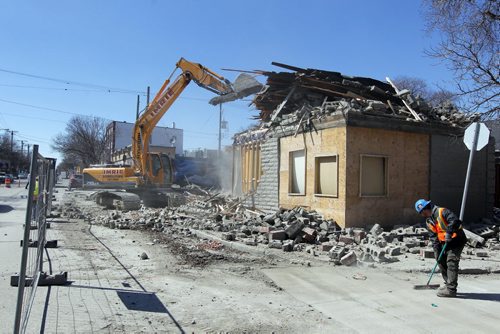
(132, 44)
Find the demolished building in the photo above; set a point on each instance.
(357, 150)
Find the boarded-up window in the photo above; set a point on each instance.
(251, 167)
(297, 172)
(326, 176)
(373, 176)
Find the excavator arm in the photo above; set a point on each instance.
(165, 97)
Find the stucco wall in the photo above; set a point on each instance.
(407, 176)
(449, 159)
(327, 141)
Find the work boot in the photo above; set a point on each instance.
(446, 293)
(443, 288)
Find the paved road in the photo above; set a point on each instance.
(387, 303)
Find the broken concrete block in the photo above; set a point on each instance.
(309, 234)
(394, 251)
(304, 220)
(294, 229)
(473, 239)
(348, 240)
(229, 236)
(275, 244)
(381, 243)
(387, 236)
(359, 235)
(484, 232)
(427, 253)
(481, 254)
(325, 247)
(277, 235)
(411, 243)
(311, 250)
(269, 218)
(376, 229)
(421, 231)
(349, 259)
(337, 252)
(414, 250)
(366, 257)
(264, 229)
(287, 246)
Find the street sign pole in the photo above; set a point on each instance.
(469, 168)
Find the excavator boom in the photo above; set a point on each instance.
(165, 97)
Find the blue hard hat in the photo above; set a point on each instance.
(421, 204)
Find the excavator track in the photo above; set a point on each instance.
(131, 201)
(118, 200)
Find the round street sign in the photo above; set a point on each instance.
(482, 139)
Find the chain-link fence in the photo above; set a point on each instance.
(40, 186)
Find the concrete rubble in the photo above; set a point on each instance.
(290, 230)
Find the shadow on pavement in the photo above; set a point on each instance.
(5, 208)
(142, 301)
(495, 297)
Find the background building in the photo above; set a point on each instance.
(119, 141)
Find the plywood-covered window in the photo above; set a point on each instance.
(326, 176)
(373, 180)
(297, 182)
(251, 167)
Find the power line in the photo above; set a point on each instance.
(46, 108)
(34, 139)
(38, 118)
(71, 89)
(70, 82)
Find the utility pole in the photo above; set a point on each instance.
(147, 97)
(22, 153)
(220, 130)
(11, 149)
(28, 151)
(137, 109)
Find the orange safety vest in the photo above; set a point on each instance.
(440, 226)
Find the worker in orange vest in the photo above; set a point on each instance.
(445, 228)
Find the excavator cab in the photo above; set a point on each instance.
(160, 170)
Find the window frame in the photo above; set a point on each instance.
(291, 170)
(386, 175)
(316, 176)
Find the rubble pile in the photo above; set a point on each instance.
(295, 230)
(309, 94)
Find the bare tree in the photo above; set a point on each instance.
(470, 46)
(83, 140)
(419, 87)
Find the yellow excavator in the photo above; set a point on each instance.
(153, 172)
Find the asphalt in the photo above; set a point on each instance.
(372, 301)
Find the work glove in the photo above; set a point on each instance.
(447, 238)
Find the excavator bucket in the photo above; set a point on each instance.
(244, 85)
